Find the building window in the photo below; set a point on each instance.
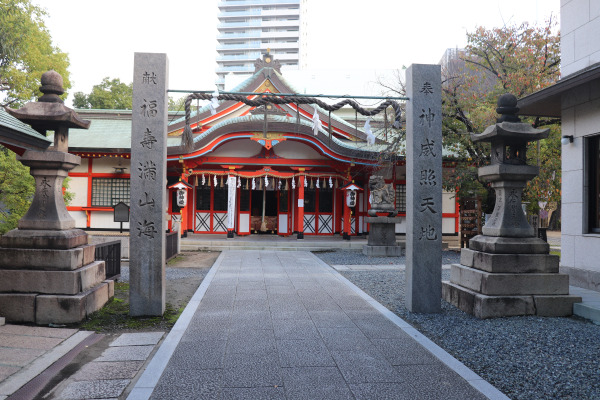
(593, 174)
(401, 198)
(106, 192)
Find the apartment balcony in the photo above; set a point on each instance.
(245, 57)
(243, 69)
(282, 12)
(250, 3)
(238, 25)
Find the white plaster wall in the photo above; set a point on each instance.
(80, 219)
(106, 165)
(83, 167)
(78, 186)
(105, 220)
(580, 28)
(580, 118)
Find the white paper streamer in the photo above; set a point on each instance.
(370, 136)
(279, 184)
(316, 125)
(203, 180)
(293, 184)
(239, 183)
(253, 184)
(214, 103)
(330, 183)
(215, 181)
(318, 183)
(266, 181)
(305, 181)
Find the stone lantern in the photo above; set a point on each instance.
(47, 269)
(507, 270)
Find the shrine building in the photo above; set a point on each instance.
(277, 158)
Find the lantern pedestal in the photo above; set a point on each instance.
(382, 237)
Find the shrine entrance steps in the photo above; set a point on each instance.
(205, 242)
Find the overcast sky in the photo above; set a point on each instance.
(101, 36)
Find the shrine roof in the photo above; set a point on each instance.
(18, 134)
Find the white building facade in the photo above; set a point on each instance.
(576, 100)
(248, 28)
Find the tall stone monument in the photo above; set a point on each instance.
(47, 269)
(148, 184)
(507, 271)
(424, 188)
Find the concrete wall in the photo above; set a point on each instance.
(579, 29)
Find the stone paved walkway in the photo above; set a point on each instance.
(284, 325)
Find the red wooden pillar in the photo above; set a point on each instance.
(300, 219)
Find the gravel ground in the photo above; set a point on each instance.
(524, 357)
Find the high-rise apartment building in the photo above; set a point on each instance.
(247, 28)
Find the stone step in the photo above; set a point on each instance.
(483, 306)
(52, 282)
(509, 263)
(204, 247)
(494, 284)
(588, 311)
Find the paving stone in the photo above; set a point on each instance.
(364, 366)
(304, 353)
(404, 351)
(18, 357)
(295, 329)
(138, 339)
(94, 389)
(260, 393)
(379, 327)
(126, 353)
(29, 342)
(6, 371)
(309, 383)
(251, 370)
(176, 384)
(251, 320)
(345, 339)
(251, 341)
(258, 294)
(331, 319)
(197, 354)
(38, 331)
(108, 370)
(437, 381)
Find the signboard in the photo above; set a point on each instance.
(121, 212)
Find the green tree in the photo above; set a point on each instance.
(514, 59)
(16, 190)
(26, 52)
(111, 94)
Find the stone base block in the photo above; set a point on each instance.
(507, 245)
(555, 306)
(18, 307)
(482, 306)
(493, 284)
(52, 282)
(46, 259)
(111, 288)
(509, 263)
(382, 251)
(58, 309)
(2, 321)
(44, 239)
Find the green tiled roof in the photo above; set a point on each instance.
(20, 130)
